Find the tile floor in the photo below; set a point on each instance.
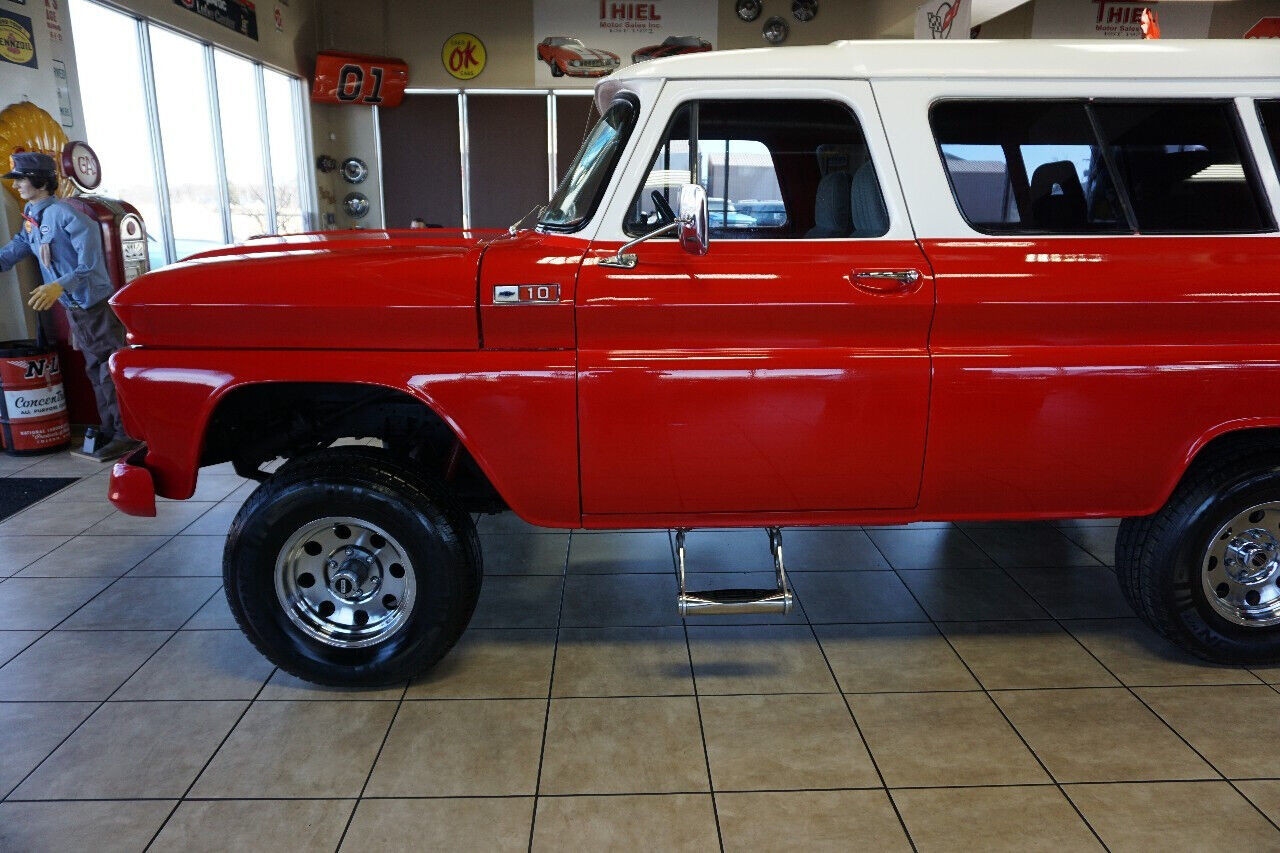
(940, 687)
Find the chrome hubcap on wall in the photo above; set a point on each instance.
(1240, 572)
(345, 582)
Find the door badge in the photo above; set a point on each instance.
(525, 294)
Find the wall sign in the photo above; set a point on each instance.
(463, 56)
(238, 15)
(943, 19)
(16, 42)
(353, 78)
(81, 165)
(1117, 19)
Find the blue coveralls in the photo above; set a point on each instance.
(74, 259)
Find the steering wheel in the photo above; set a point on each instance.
(665, 214)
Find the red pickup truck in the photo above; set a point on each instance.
(999, 281)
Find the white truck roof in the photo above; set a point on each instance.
(1198, 59)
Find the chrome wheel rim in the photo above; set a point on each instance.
(345, 582)
(1240, 572)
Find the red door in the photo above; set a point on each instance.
(757, 378)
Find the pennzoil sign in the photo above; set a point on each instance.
(16, 43)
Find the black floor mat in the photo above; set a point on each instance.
(18, 493)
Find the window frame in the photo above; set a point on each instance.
(620, 151)
(1253, 176)
(694, 103)
(1272, 148)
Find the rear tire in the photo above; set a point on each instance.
(348, 568)
(1203, 570)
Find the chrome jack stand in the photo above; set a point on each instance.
(716, 601)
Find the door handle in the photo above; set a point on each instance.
(885, 282)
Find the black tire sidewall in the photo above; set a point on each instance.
(1180, 561)
(431, 545)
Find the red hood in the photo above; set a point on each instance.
(406, 290)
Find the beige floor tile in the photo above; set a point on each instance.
(55, 520)
(94, 556)
(128, 750)
(215, 522)
(672, 822)
(285, 687)
(142, 604)
(1099, 736)
(1077, 592)
(63, 464)
(1236, 728)
(492, 664)
(934, 739)
(856, 597)
(758, 659)
(77, 665)
(728, 551)
(1140, 657)
(892, 657)
(498, 824)
(218, 825)
(1025, 654)
(809, 821)
(941, 820)
(1173, 816)
(525, 553)
(200, 665)
(1097, 540)
(830, 551)
(217, 488)
(619, 600)
(622, 662)
(12, 642)
(38, 604)
(29, 731)
(171, 517)
(215, 614)
(18, 552)
(104, 827)
(184, 556)
(615, 553)
(1029, 545)
(930, 548)
(461, 748)
(1265, 794)
(298, 749)
(960, 595)
(519, 602)
(662, 753)
(773, 743)
(89, 490)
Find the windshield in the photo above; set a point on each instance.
(579, 193)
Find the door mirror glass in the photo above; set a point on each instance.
(693, 219)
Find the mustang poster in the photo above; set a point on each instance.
(576, 42)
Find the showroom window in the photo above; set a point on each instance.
(209, 146)
(771, 169)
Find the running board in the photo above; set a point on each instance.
(709, 602)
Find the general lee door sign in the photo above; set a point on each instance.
(353, 78)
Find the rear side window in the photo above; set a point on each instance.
(1087, 167)
(1027, 167)
(1181, 166)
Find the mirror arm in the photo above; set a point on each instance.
(625, 261)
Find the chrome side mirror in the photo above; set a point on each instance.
(690, 226)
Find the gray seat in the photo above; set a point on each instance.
(1057, 199)
(831, 215)
(866, 204)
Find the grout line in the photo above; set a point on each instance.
(346, 827)
(551, 680)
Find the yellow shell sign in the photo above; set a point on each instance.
(463, 56)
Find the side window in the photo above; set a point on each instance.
(1269, 112)
(1026, 167)
(772, 169)
(1180, 164)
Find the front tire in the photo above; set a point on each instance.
(1204, 571)
(347, 568)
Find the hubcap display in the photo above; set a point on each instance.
(345, 582)
(1240, 571)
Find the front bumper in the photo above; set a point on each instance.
(133, 490)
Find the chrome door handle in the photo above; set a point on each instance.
(885, 281)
